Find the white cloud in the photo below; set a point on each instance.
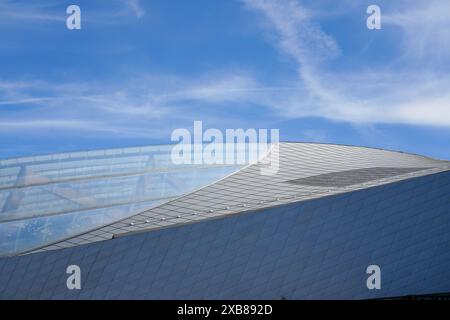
(149, 105)
(136, 7)
(51, 11)
(15, 10)
(425, 26)
(299, 35)
(373, 96)
(132, 107)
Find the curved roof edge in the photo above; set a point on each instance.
(367, 147)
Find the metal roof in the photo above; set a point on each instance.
(306, 171)
(44, 199)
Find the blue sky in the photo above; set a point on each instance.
(139, 69)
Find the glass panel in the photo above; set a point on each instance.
(21, 235)
(47, 198)
(59, 198)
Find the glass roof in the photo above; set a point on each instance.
(44, 199)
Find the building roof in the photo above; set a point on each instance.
(305, 171)
(44, 199)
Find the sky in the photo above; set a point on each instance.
(137, 70)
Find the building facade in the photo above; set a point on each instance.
(308, 232)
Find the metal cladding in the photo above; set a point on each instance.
(44, 199)
(230, 232)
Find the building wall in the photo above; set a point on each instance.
(310, 250)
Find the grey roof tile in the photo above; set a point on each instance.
(247, 189)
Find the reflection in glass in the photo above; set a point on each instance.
(45, 199)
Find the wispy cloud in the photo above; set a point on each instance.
(134, 107)
(136, 7)
(54, 11)
(141, 105)
(26, 11)
(425, 26)
(371, 96)
(299, 35)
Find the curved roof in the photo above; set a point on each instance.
(305, 171)
(44, 199)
